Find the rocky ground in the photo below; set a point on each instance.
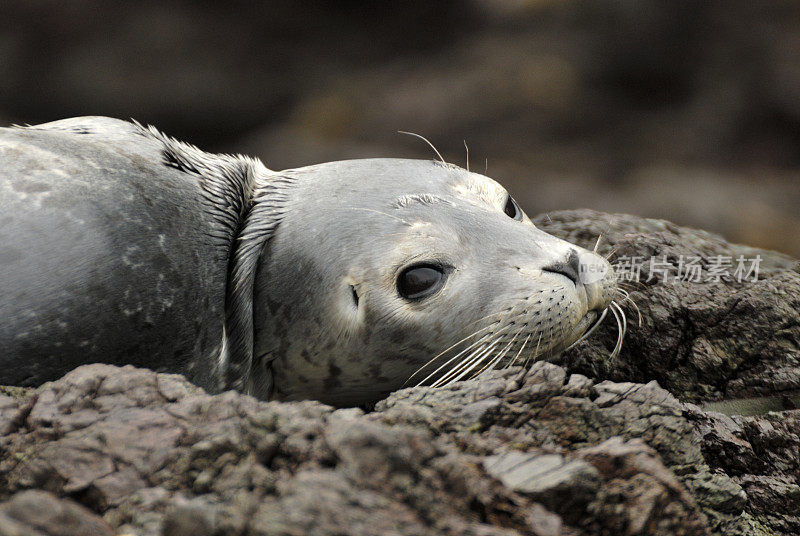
(731, 336)
(599, 447)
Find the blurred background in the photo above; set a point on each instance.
(688, 111)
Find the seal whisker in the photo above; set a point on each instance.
(513, 360)
(475, 354)
(423, 138)
(460, 372)
(459, 354)
(467, 148)
(475, 358)
(490, 365)
(482, 339)
(492, 361)
(589, 331)
(519, 352)
(616, 305)
(608, 256)
(619, 331)
(501, 355)
(401, 220)
(466, 365)
(627, 298)
(622, 327)
(525, 368)
(596, 244)
(489, 326)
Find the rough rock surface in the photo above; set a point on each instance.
(702, 340)
(547, 451)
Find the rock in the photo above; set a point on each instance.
(594, 448)
(701, 340)
(761, 454)
(39, 513)
(642, 496)
(566, 486)
(190, 463)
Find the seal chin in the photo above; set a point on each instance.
(585, 323)
(579, 332)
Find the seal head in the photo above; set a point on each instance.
(380, 265)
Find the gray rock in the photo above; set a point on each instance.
(566, 486)
(108, 438)
(701, 340)
(547, 451)
(39, 513)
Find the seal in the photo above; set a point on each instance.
(340, 281)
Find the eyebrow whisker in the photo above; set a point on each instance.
(423, 138)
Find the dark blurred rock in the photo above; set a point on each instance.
(207, 72)
(680, 110)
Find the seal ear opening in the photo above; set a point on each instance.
(355, 295)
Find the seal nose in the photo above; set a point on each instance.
(569, 267)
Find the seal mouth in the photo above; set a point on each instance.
(581, 331)
(592, 321)
(589, 321)
(488, 352)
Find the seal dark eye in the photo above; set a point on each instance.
(419, 281)
(512, 209)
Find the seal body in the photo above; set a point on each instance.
(339, 281)
(106, 255)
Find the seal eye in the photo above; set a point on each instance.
(512, 210)
(419, 281)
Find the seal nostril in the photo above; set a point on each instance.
(569, 267)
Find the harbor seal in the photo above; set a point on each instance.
(340, 281)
